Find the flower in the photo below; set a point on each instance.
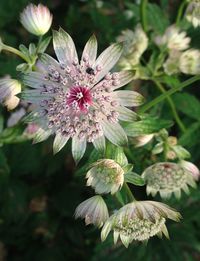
(190, 62)
(142, 140)
(93, 210)
(173, 39)
(167, 178)
(193, 13)
(79, 101)
(171, 65)
(139, 221)
(36, 19)
(191, 168)
(8, 89)
(15, 117)
(135, 43)
(105, 176)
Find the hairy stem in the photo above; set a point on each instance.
(169, 93)
(15, 51)
(172, 106)
(143, 14)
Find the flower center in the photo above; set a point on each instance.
(79, 98)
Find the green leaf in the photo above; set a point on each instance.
(134, 179)
(44, 44)
(128, 168)
(147, 125)
(157, 18)
(188, 104)
(192, 135)
(117, 154)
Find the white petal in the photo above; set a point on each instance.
(129, 98)
(78, 148)
(100, 144)
(90, 50)
(64, 47)
(59, 142)
(34, 79)
(47, 60)
(41, 135)
(114, 133)
(124, 77)
(107, 60)
(126, 114)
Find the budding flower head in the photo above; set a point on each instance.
(142, 140)
(105, 176)
(190, 62)
(36, 19)
(171, 65)
(135, 43)
(93, 210)
(193, 13)
(9, 88)
(173, 39)
(139, 221)
(191, 168)
(167, 178)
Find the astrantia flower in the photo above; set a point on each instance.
(139, 221)
(173, 39)
(167, 178)
(105, 176)
(79, 101)
(191, 168)
(190, 62)
(171, 66)
(36, 19)
(193, 13)
(8, 89)
(135, 43)
(93, 210)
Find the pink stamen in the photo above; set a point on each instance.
(81, 96)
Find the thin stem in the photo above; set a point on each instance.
(15, 51)
(143, 9)
(171, 104)
(169, 93)
(180, 12)
(129, 193)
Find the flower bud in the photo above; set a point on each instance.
(190, 62)
(36, 19)
(105, 176)
(143, 140)
(93, 210)
(193, 13)
(8, 89)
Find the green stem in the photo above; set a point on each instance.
(168, 93)
(15, 51)
(129, 193)
(180, 12)
(143, 9)
(171, 104)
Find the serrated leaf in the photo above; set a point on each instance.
(188, 104)
(147, 125)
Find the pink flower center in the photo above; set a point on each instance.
(79, 98)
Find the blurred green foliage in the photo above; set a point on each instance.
(39, 191)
